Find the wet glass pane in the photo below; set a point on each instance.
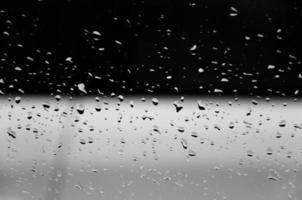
(150, 99)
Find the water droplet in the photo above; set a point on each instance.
(156, 129)
(181, 129)
(11, 133)
(123, 141)
(254, 102)
(269, 151)
(97, 33)
(184, 143)
(68, 59)
(155, 101)
(46, 106)
(194, 134)
(118, 42)
(121, 98)
(191, 153)
(233, 9)
(80, 108)
(217, 90)
(224, 80)
(131, 104)
(17, 99)
(193, 48)
(278, 135)
(231, 125)
(298, 126)
(250, 153)
(82, 141)
(98, 108)
(200, 105)
(273, 175)
(58, 97)
(200, 70)
(271, 67)
(178, 107)
(81, 87)
(282, 123)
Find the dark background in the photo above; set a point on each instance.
(49, 47)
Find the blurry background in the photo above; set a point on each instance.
(151, 46)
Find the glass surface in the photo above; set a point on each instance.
(150, 99)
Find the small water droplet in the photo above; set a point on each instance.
(11, 133)
(250, 153)
(191, 153)
(278, 135)
(282, 123)
(178, 106)
(271, 67)
(58, 97)
(194, 134)
(81, 87)
(121, 98)
(82, 141)
(184, 143)
(269, 151)
(200, 105)
(200, 70)
(80, 108)
(97, 33)
(17, 99)
(46, 106)
(155, 101)
(254, 102)
(193, 48)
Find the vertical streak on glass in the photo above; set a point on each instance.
(57, 178)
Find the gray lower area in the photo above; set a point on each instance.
(165, 148)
